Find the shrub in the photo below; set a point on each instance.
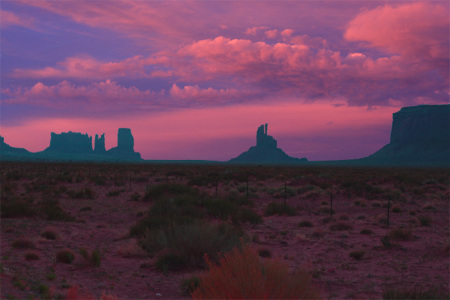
(168, 189)
(65, 256)
(412, 212)
(318, 233)
(343, 217)
(274, 208)
(376, 204)
(190, 284)
(325, 209)
(245, 215)
(132, 249)
(94, 258)
(135, 197)
(49, 234)
(415, 293)
(401, 234)
(192, 241)
(425, 220)
(240, 274)
(340, 226)
(305, 224)
(428, 206)
(31, 256)
(264, 253)
(358, 255)
(366, 231)
(171, 260)
(396, 208)
(23, 243)
(15, 208)
(113, 193)
(386, 241)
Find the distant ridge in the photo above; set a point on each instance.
(265, 151)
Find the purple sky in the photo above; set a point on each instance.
(194, 79)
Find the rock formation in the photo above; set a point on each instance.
(99, 147)
(5, 148)
(70, 142)
(125, 146)
(265, 151)
(419, 134)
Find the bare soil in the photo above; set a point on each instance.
(127, 272)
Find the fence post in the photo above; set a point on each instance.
(388, 208)
(285, 193)
(247, 189)
(331, 203)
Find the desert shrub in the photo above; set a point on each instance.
(264, 253)
(424, 220)
(83, 193)
(428, 206)
(376, 204)
(402, 234)
(415, 293)
(171, 260)
(412, 212)
(132, 249)
(15, 208)
(191, 241)
(361, 217)
(49, 234)
(113, 193)
(31, 256)
(168, 189)
(305, 223)
(23, 243)
(65, 256)
(274, 208)
(396, 208)
(247, 215)
(340, 226)
(306, 188)
(318, 233)
(381, 219)
(45, 291)
(190, 284)
(386, 241)
(358, 255)
(98, 180)
(135, 197)
(366, 231)
(86, 208)
(56, 213)
(343, 217)
(325, 209)
(94, 258)
(240, 274)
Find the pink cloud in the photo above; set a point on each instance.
(67, 95)
(86, 67)
(196, 93)
(8, 19)
(287, 32)
(271, 34)
(418, 29)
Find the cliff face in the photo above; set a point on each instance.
(265, 151)
(419, 133)
(70, 142)
(125, 146)
(5, 148)
(100, 144)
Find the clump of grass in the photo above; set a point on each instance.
(305, 223)
(190, 284)
(83, 193)
(386, 241)
(65, 256)
(240, 274)
(361, 217)
(132, 249)
(264, 253)
(413, 212)
(31, 255)
(425, 220)
(415, 293)
(325, 209)
(340, 226)
(93, 258)
(381, 219)
(366, 231)
(396, 208)
(50, 234)
(343, 217)
(168, 189)
(428, 206)
(401, 234)
(376, 204)
(113, 193)
(23, 243)
(274, 208)
(358, 254)
(53, 212)
(135, 197)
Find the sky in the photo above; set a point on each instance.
(195, 79)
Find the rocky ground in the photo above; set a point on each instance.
(347, 253)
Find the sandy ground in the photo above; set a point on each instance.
(128, 273)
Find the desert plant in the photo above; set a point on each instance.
(31, 256)
(93, 258)
(245, 214)
(366, 231)
(340, 226)
(264, 253)
(376, 204)
(274, 208)
(428, 206)
(358, 255)
(386, 241)
(424, 220)
(23, 243)
(65, 256)
(135, 197)
(343, 217)
(190, 284)
(412, 212)
(396, 208)
(240, 274)
(15, 208)
(402, 234)
(49, 234)
(415, 293)
(305, 223)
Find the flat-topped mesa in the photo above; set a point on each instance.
(264, 140)
(99, 144)
(70, 142)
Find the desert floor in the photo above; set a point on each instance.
(347, 253)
